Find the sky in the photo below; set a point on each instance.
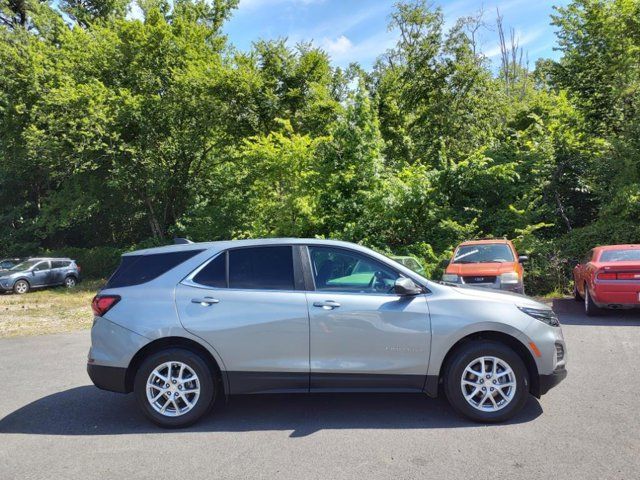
(356, 30)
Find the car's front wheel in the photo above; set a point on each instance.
(21, 286)
(486, 382)
(174, 387)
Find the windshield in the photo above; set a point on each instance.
(620, 255)
(25, 265)
(483, 253)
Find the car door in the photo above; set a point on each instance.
(362, 334)
(249, 304)
(40, 274)
(57, 272)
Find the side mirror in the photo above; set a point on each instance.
(523, 259)
(405, 286)
(444, 264)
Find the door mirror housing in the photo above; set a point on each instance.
(523, 259)
(405, 286)
(445, 263)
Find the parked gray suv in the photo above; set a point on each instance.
(182, 324)
(39, 273)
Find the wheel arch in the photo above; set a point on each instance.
(24, 280)
(433, 381)
(175, 342)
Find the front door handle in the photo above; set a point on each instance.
(327, 304)
(206, 301)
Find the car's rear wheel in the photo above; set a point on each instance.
(174, 387)
(21, 286)
(486, 382)
(576, 294)
(590, 308)
(70, 282)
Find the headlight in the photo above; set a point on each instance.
(544, 315)
(509, 277)
(447, 277)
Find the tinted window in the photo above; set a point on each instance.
(481, 253)
(339, 270)
(137, 269)
(629, 255)
(264, 268)
(59, 264)
(42, 266)
(214, 274)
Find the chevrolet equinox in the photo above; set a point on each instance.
(182, 324)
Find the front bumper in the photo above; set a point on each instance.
(112, 379)
(547, 382)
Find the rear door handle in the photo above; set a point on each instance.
(327, 304)
(206, 301)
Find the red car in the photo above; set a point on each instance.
(608, 277)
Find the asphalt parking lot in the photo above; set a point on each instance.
(55, 424)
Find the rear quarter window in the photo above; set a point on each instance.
(139, 269)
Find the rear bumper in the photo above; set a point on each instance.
(618, 294)
(547, 382)
(108, 378)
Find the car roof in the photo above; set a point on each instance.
(616, 247)
(66, 259)
(486, 241)
(226, 244)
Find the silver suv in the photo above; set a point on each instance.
(39, 273)
(180, 325)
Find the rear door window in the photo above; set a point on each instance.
(59, 264)
(214, 274)
(261, 268)
(138, 269)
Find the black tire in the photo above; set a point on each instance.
(70, 281)
(21, 287)
(198, 365)
(590, 308)
(576, 294)
(454, 372)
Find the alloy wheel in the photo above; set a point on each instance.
(22, 287)
(70, 282)
(173, 389)
(488, 384)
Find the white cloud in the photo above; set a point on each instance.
(522, 39)
(343, 51)
(340, 46)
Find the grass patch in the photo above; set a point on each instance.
(52, 310)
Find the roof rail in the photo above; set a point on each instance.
(181, 241)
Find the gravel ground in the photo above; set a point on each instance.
(55, 424)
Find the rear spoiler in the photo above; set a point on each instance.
(181, 241)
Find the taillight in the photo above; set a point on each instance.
(78, 268)
(629, 276)
(619, 276)
(101, 304)
(607, 276)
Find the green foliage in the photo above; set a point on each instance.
(118, 133)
